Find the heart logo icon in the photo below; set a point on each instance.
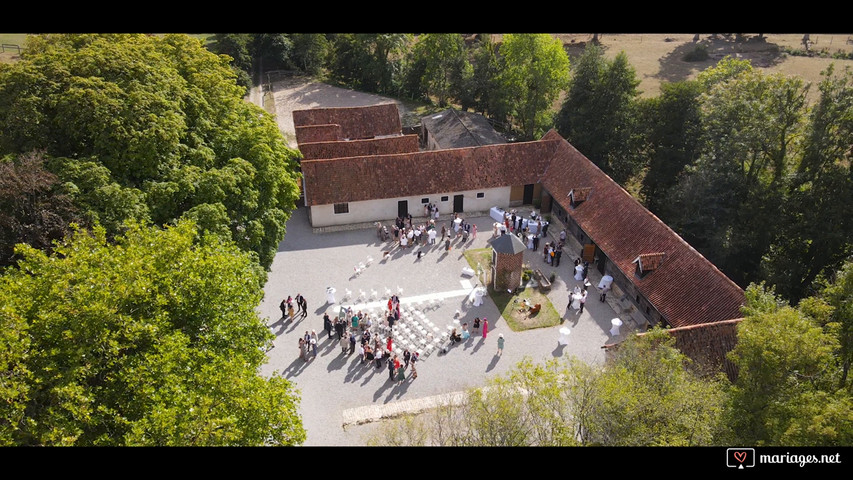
(740, 456)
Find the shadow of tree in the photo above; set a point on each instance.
(673, 67)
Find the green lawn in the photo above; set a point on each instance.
(508, 304)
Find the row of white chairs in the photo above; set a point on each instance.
(372, 295)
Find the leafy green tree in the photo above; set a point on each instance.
(647, 395)
(168, 354)
(674, 127)
(441, 60)
(785, 390)
(148, 128)
(368, 62)
(816, 231)
(839, 296)
(728, 203)
(310, 51)
(34, 209)
(535, 70)
(484, 83)
(597, 115)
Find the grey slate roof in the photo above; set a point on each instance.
(508, 244)
(456, 129)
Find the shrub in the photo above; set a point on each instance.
(698, 54)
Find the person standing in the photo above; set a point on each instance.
(476, 324)
(414, 361)
(474, 231)
(304, 307)
(283, 307)
(500, 344)
(327, 324)
(407, 356)
(392, 369)
(298, 303)
(583, 302)
(314, 343)
(603, 296)
(290, 313)
(344, 344)
(557, 254)
(536, 242)
(485, 327)
(401, 373)
(351, 342)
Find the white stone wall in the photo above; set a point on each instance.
(386, 209)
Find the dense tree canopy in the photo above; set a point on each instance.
(535, 70)
(786, 392)
(599, 112)
(167, 355)
(647, 395)
(439, 65)
(150, 128)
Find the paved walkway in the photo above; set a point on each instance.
(337, 391)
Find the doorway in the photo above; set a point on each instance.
(457, 203)
(403, 208)
(528, 194)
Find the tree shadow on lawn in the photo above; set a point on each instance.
(673, 67)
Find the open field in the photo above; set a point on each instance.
(658, 57)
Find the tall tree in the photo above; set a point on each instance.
(751, 122)
(674, 124)
(597, 115)
(484, 86)
(150, 127)
(34, 209)
(441, 60)
(167, 355)
(310, 51)
(535, 71)
(815, 233)
(368, 62)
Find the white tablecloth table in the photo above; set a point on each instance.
(564, 335)
(497, 214)
(616, 322)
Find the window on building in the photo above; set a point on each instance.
(342, 208)
(481, 195)
(445, 198)
(424, 200)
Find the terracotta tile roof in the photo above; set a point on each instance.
(430, 172)
(318, 133)
(580, 194)
(708, 344)
(650, 261)
(360, 148)
(355, 122)
(686, 288)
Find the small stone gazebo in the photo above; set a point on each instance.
(507, 261)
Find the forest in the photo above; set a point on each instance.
(133, 161)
